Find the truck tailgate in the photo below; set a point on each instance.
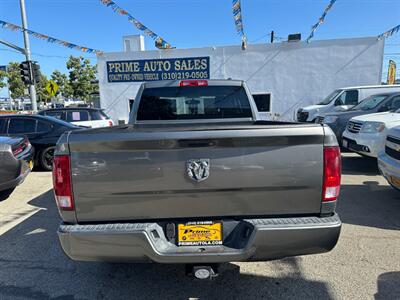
(139, 174)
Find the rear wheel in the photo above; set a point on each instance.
(46, 158)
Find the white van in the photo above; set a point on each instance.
(342, 99)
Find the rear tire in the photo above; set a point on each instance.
(46, 158)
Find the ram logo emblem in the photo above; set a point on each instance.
(198, 169)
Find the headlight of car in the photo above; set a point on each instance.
(330, 119)
(372, 127)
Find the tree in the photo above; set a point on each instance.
(64, 88)
(15, 84)
(3, 76)
(81, 77)
(41, 91)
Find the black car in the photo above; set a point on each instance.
(337, 121)
(42, 132)
(16, 161)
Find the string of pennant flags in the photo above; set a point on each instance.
(237, 16)
(49, 39)
(160, 42)
(321, 20)
(163, 44)
(389, 33)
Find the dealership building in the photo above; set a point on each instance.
(281, 76)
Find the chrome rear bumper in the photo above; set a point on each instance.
(133, 242)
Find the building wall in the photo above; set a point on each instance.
(296, 74)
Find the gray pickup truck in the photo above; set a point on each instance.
(195, 178)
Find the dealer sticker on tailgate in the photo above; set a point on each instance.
(201, 233)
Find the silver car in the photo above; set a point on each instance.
(16, 161)
(389, 158)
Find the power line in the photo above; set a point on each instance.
(278, 38)
(260, 38)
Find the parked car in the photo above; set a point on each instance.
(366, 134)
(373, 104)
(196, 178)
(16, 161)
(87, 117)
(389, 158)
(43, 133)
(342, 99)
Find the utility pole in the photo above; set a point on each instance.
(32, 90)
(272, 36)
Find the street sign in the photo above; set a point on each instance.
(51, 88)
(3, 68)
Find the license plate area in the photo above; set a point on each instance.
(199, 233)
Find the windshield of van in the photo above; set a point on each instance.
(329, 99)
(370, 102)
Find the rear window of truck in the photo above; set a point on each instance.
(199, 102)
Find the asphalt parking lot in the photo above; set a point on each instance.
(365, 264)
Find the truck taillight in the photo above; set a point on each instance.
(62, 182)
(332, 173)
(193, 83)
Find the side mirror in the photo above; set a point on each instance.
(338, 102)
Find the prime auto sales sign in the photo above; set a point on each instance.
(158, 69)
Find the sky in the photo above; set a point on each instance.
(189, 23)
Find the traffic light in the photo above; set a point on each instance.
(25, 72)
(36, 72)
